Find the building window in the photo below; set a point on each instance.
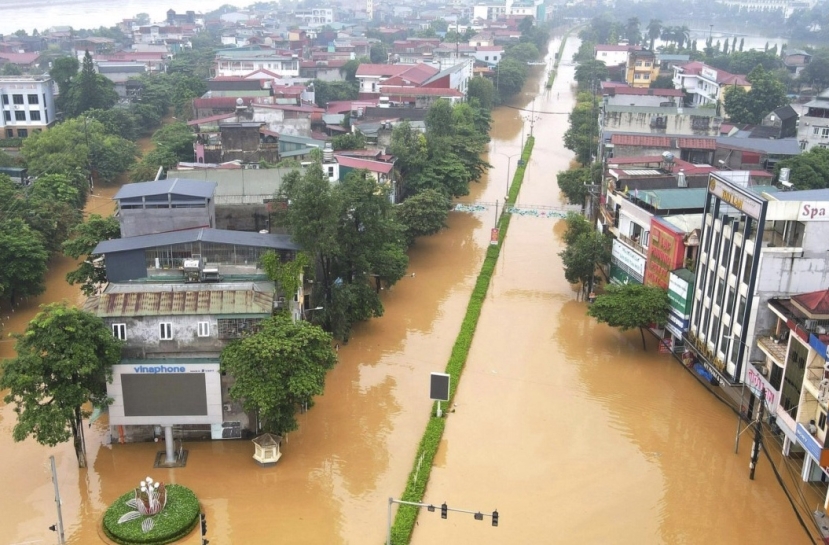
(165, 331)
(204, 329)
(9, 133)
(234, 328)
(821, 132)
(741, 310)
(776, 376)
(32, 99)
(5, 99)
(17, 99)
(747, 270)
(7, 115)
(20, 116)
(22, 133)
(34, 115)
(119, 331)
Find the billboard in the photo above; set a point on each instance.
(165, 393)
(666, 252)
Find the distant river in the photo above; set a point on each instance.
(43, 14)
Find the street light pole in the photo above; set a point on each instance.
(509, 162)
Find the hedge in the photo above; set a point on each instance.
(177, 519)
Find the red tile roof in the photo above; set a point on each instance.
(209, 119)
(640, 140)
(397, 91)
(219, 102)
(644, 91)
(697, 143)
(723, 77)
(815, 303)
(20, 58)
(340, 106)
(373, 166)
(386, 70)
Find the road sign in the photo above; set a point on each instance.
(439, 387)
(493, 237)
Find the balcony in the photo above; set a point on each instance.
(774, 350)
(814, 375)
(634, 244)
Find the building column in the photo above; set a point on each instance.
(169, 445)
(787, 445)
(807, 468)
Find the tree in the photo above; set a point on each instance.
(54, 206)
(63, 71)
(523, 52)
(662, 82)
(89, 90)
(809, 170)
(329, 91)
(349, 70)
(24, 260)
(573, 184)
(582, 135)
(509, 77)
(631, 306)
(279, 369)
(590, 73)
(10, 69)
(767, 94)
(483, 91)
(816, 73)
(118, 121)
(654, 31)
(586, 249)
(64, 360)
(177, 138)
(78, 146)
(84, 238)
(632, 31)
(423, 214)
(379, 54)
(349, 141)
(147, 168)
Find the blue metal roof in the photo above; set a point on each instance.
(219, 236)
(176, 186)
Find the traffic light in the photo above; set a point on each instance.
(203, 524)
(495, 518)
(444, 510)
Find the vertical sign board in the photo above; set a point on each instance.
(439, 388)
(493, 239)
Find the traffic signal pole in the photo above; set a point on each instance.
(444, 509)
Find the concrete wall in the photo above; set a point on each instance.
(675, 123)
(143, 336)
(242, 217)
(135, 222)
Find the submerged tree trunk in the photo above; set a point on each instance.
(77, 438)
(642, 332)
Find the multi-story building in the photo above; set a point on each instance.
(756, 243)
(613, 55)
(230, 62)
(705, 84)
(813, 130)
(28, 105)
(642, 68)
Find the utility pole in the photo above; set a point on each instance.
(758, 436)
(59, 526)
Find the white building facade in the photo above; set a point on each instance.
(28, 105)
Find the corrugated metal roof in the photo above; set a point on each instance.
(178, 303)
(675, 199)
(782, 146)
(221, 236)
(175, 186)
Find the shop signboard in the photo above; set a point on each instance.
(810, 444)
(708, 73)
(818, 346)
(742, 201)
(665, 253)
(626, 256)
(757, 383)
(813, 211)
(679, 295)
(677, 325)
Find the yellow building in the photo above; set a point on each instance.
(642, 68)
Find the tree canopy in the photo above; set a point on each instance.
(582, 137)
(24, 257)
(631, 306)
(89, 90)
(84, 237)
(279, 369)
(766, 95)
(586, 250)
(64, 360)
(809, 170)
(423, 214)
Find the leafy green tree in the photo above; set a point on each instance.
(118, 121)
(523, 52)
(24, 258)
(439, 121)
(633, 32)
(78, 146)
(176, 138)
(379, 54)
(279, 369)
(423, 214)
(510, 75)
(590, 73)
(54, 208)
(573, 184)
(10, 69)
(809, 170)
(483, 90)
(84, 238)
(662, 82)
(766, 95)
(64, 70)
(329, 91)
(64, 360)
(349, 70)
(350, 231)
(582, 135)
(577, 225)
(631, 306)
(146, 169)
(89, 90)
(349, 141)
(816, 73)
(582, 256)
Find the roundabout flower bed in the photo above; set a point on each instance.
(168, 521)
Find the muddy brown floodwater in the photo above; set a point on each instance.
(568, 428)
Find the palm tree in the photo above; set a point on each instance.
(632, 32)
(669, 34)
(683, 34)
(654, 30)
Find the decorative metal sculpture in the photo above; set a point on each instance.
(150, 499)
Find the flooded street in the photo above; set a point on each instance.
(566, 427)
(569, 429)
